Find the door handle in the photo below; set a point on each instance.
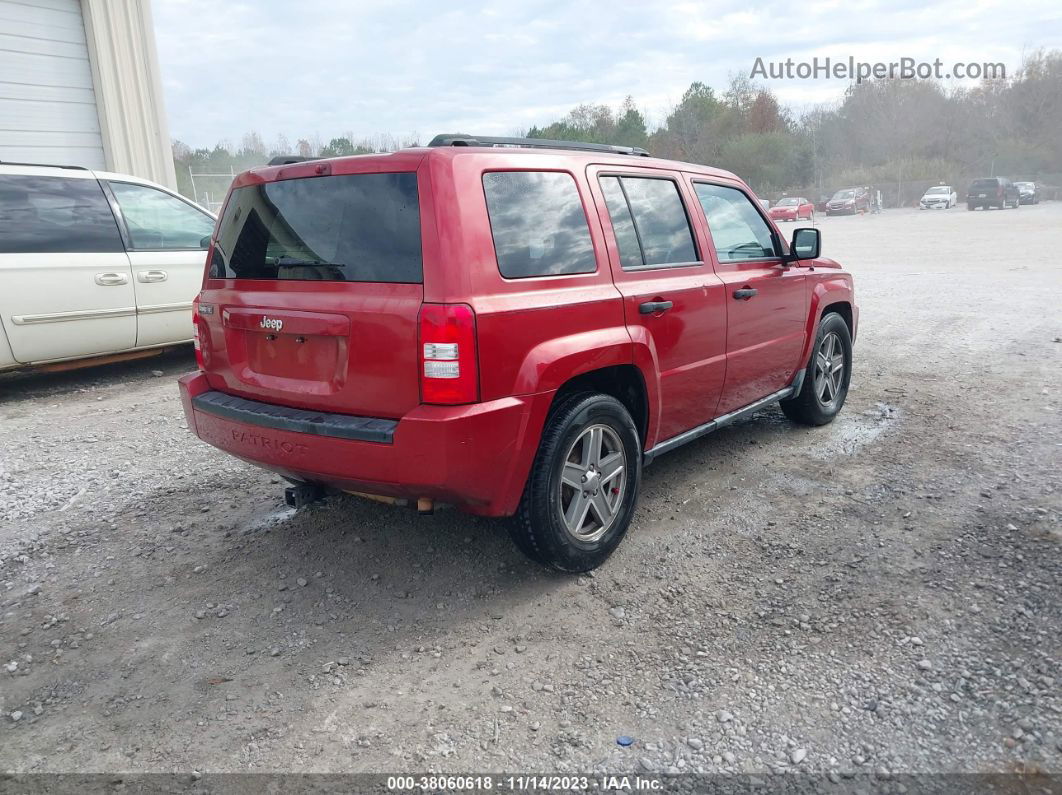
(651, 307)
(151, 276)
(745, 293)
(111, 279)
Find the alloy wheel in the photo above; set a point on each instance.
(829, 369)
(592, 483)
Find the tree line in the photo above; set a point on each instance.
(899, 135)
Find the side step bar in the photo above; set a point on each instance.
(721, 422)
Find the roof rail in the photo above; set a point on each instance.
(534, 143)
(42, 165)
(287, 160)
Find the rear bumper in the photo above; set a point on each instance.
(476, 456)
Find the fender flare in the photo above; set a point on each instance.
(554, 362)
(825, 293)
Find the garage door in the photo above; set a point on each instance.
(47, 106)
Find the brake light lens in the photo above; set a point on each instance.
(196, 340)
(449, 372)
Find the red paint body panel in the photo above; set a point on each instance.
(766, 334)
(358, 354)
(688, 341)
(475, 455)
(352, 348)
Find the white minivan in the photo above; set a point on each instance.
(94, 264)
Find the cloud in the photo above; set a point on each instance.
(331, 68)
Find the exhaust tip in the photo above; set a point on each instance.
(425, 505)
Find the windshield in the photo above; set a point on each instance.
(938, 191)
(842, 195)
(349, 228)
(788, 203)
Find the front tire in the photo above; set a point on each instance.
(580, 495)
(827, 377)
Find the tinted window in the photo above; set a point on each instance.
(354, 228)
(157, 220)
(738, 231)
(660, 219)
(538, 223)
(50, 215)
(985, 183)
(622, 224)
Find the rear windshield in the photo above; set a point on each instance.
(985, 183)
(349, 228)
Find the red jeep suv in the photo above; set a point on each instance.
(515, 326)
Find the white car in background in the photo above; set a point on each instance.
(93, 265)
(939, 197)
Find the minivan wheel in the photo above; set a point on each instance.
(828, 375)
(580, 495)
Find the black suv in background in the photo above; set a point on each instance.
(1027, 192)
(992, 192)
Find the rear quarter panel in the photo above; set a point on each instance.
(536, 333)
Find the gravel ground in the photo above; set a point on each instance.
(877, 596)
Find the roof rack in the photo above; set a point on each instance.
(42, 165)
(534, 143)
(287, 160)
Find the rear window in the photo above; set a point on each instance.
(349, 228)
(661, 231)
(538, 223)
(55, 215)
(985, 183)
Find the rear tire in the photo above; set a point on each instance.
(827, 376)
(580, 495)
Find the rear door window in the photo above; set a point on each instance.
(630, 250)
(649, 220)
(55, 215)
(351, 227)
(538, 223)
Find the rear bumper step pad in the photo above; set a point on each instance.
(283, 418)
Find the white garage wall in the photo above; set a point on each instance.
(128, 88)
(47, 101)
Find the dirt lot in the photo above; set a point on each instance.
(881, 594)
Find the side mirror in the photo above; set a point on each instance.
(204, 243)
(806, 244)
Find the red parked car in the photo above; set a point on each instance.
(849, 201)
(792, 208)
(511, 329)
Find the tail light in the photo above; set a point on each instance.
(449, 373)
(196, 341)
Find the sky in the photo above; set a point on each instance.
(326, 68)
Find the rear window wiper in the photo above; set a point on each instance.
(294, 262)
